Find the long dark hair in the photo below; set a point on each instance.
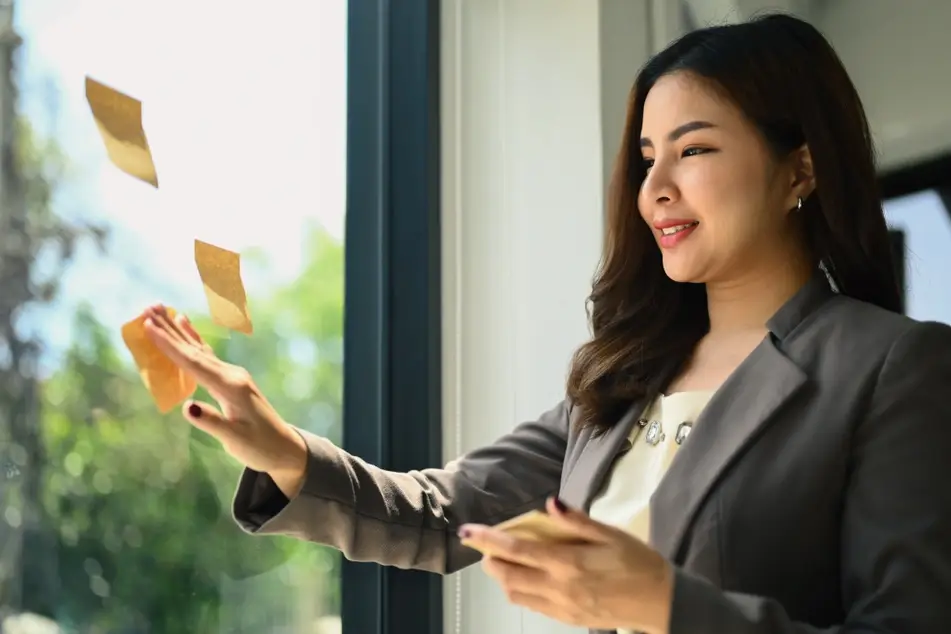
(783, 74)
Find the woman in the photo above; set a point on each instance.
(742, 447)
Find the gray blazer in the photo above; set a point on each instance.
(814, 494)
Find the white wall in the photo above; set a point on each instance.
(524, 172)
(627, 38)
(522, 186)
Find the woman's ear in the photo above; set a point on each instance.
(803, 181)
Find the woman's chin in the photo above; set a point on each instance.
(681, 271)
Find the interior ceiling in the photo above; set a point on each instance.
(699, 13)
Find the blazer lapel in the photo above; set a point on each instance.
(586, 477)
(736, 414)
(738, 411)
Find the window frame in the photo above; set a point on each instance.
(931, 173)
(392, 322)
(920, 176)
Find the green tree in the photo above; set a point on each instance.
(36, 246)
(140, 502)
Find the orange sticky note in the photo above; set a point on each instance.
(220, 271)
(168, 385)
(535, 526)
(119, 119)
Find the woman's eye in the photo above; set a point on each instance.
(648, 163)
(693, 151)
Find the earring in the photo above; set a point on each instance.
(799, 203)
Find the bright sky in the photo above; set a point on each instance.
(927, 227)
(245, 112)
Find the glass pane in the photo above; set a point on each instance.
(926, 225)
(116, 518)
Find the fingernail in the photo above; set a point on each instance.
(465, 533)
(561, 506)
(194, 410)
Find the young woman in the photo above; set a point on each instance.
(754, 439)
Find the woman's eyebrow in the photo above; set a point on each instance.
(679, 131)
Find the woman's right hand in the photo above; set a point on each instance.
(246, 425)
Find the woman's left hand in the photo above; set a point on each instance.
(609, 580)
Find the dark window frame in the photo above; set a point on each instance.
(392, 348)
(932, 173)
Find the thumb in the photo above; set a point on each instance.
(579, 522)
(206, 418)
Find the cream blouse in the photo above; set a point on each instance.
(625, 499)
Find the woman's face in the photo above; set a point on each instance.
(717, 201)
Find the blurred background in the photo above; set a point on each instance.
(115, 519)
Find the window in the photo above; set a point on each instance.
(272, 131)
(392, 378)
(923, 221)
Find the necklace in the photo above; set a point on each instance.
(655, 431)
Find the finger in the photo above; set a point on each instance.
(208, 370)
(206, 418)
(513, 576)
(162, 319)
(504, 546)
(185, 324)
(579, 522)
(535, 603)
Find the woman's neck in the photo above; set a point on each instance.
(747, 302)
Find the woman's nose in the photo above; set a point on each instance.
(659, 188)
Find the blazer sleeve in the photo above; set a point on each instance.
(409, 520)
(896, 523)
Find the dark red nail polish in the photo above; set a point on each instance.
(561, 506)
(194, 410)
(464, 533)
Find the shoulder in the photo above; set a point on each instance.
(885, 375)
(921, 351)
(867, 319)
(902, 352)
(847, 342)
(847, 325)
(911, 390)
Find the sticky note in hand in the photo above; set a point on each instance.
(535, 526)
(119, 119)
(220, 271)
(168, 385)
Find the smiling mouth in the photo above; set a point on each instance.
(669, 231)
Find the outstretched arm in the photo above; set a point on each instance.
(409, 519)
